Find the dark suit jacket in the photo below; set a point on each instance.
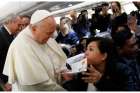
(5, 41)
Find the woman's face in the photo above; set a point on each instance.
(64, 26)
(115, 8)
(93, 54)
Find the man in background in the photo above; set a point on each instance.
(10, 27)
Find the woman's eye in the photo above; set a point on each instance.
(91, 49)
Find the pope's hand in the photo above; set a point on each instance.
(7, 87)
(66, 76)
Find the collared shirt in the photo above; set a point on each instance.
(7, 29)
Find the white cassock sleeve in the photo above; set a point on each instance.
(24, 65)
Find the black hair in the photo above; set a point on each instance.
(105, 4)
(97, 9)
(83, 11)
(121, 19)
(133, 13)
(66, 51)
(82, 20)
(62, 18)
(118, 21)
(121, 35)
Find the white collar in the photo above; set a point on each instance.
(7, 29)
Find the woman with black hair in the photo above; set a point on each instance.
(100, 54)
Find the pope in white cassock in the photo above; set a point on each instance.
(34, 60)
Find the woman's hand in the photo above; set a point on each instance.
(66, 76)
(92, 76)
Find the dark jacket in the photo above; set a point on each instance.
(123, 74)
(77, 84)
(5, 41)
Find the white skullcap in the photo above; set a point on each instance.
(39, 15)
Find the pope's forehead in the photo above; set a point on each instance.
(48, 20)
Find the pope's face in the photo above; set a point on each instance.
(44, 30)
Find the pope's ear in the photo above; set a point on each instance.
(33, 27)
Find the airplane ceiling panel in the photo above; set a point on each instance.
(14, 7)
(50, 6)
(22, 7)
